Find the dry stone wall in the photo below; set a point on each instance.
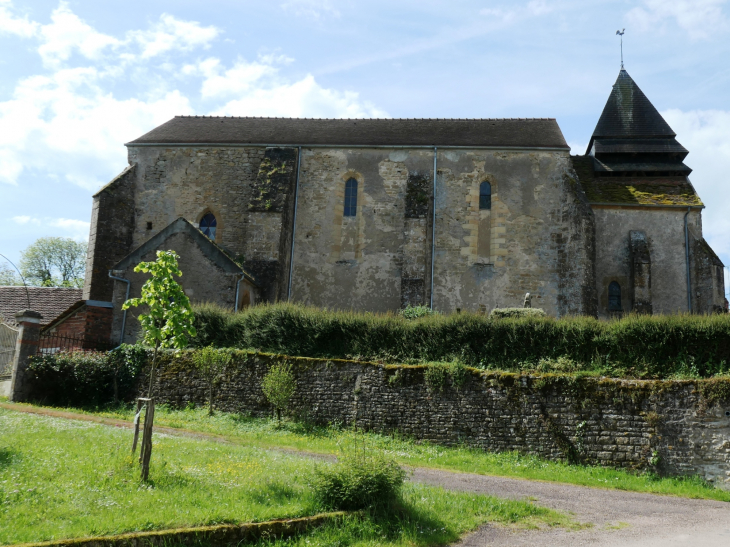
(676, 428)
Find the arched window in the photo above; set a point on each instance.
(351, 198)
(485, 196)
(208, 224)
(614, 296)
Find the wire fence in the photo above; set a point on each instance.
(51, 343)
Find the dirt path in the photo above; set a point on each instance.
(619, 518)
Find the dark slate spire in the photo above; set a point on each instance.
(632, 138)
(628, 113)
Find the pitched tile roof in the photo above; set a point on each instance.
(48, 301)
(517, 133)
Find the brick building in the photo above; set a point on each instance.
(376, 214)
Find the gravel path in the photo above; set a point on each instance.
(619, 518)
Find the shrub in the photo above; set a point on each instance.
(279, 385)
(414, 312)
(636, 346)
(211, 364)
(86, 378)
(503, 313)
(358, 480)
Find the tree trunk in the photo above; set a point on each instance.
(210, 400)
(149, 419)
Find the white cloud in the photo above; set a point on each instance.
(534, 8)
(311, 9)
(66, 33)
(239, 79)
(706, 134)
(68, 124)
(59, 227)
(700, 18)
(77, 229)
(24, 219)
(305, 98)
(10, 24)
(173, 34)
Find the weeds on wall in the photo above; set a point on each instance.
(676, 346)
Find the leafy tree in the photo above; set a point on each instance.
(54, 262)
(169, 321)
(168, 324)
(211, 363)
(8, 277)
(279, 385)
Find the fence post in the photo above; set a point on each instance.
(26, 346)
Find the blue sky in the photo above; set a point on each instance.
(80, 78)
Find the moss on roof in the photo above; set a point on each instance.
(634, 190)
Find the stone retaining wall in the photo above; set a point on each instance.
(673, 427)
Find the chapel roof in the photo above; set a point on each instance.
(50, 302)
(209, 248)
(498, 132)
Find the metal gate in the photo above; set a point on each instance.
(8, 337)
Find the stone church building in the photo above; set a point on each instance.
(377, 214)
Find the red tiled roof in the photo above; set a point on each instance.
(50, 302)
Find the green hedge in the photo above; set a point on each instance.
(86, 378)
(636, 346)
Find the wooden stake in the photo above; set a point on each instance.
(140, 402)
(149, 418)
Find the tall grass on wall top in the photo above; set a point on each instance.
(642, 346)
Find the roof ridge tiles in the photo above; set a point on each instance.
(202, 116)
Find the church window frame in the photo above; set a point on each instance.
(208, 224)
(350, 201)
(485, 196)
(614, 297)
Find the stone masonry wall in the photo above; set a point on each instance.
(110, 233)
(664, 232)
(541, 236)
(685, 425)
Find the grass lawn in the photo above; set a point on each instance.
(264, 433)
(65, 479)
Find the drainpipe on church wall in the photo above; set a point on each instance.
(238, 289)
(294, 223)
(686, 256)
(433, 220)
(124, 313)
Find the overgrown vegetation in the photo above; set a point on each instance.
(514, 313)
(361, 479)
(66, 479)
(87, 378)
(267, 433)
(687, 346)
(414, 312)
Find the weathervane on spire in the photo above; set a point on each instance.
(621, 33)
